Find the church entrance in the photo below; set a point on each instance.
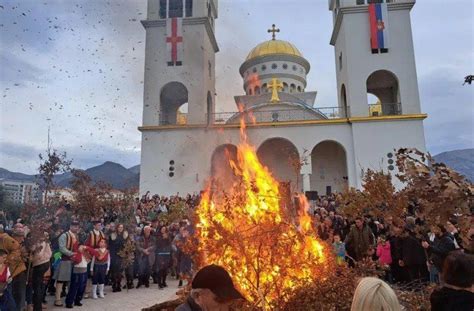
(282, 159)
(329, 168)
(221, 171)
(173, 104)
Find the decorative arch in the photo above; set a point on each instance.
(221, 171)
(172, 96)
(285, 87)
(383, 84)
(329, 167)
(281, 156)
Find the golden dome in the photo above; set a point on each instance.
(273, 47)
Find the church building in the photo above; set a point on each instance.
(306, 146)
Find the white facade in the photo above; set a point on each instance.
(336, 143)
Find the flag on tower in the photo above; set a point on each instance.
(174, 40)
(378, 17)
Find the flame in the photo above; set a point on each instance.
(245, 229)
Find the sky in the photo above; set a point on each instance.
(76, 67)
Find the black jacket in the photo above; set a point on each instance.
(448, 299)
(440, 248)
(412, 253)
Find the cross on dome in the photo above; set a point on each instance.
(273, 31)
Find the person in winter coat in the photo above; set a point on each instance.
(117, 242)
(162, 256)
(439, 249)
(413, 257)
(383, 251)
(359, 239)
(457, 293)
(40, 261)
(384, 255)
(339, 249)
(145, 256)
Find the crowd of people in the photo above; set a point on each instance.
(76, 259)
(401, 247)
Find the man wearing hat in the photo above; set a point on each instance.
(68, 245)
(212, 289)
(15, 263)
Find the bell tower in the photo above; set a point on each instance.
(179, 82)
(375, 59)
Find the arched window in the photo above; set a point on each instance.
(173, 104)
(383, 94)
(299, 88)
(257, 90)
(292, 88)
(285, 87)
(249, 91)
(264, 88)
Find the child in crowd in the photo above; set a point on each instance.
(78, 278)
(6, 298)
(100, 266)
(339, 249)
(384, 256)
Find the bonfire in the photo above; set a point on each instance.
(268, 249)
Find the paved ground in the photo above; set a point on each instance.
(133, 300)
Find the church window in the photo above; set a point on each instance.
(285, 87)
(295, 68)
(292, 88)
(254, 70)
(163, 8)
(264, 88)
(285, 66)
(257, 90)
(176, 8)
(249, 91)
(274, 66)
(264, 67)
(299, 88)
(189, 8)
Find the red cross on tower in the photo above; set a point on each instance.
(174, 39)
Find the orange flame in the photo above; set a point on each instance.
(245, 230)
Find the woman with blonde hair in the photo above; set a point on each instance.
(373, 294)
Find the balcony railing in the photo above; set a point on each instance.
(283, 115)
(385, 109)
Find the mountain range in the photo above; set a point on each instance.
(109, 172)
(121, 178)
